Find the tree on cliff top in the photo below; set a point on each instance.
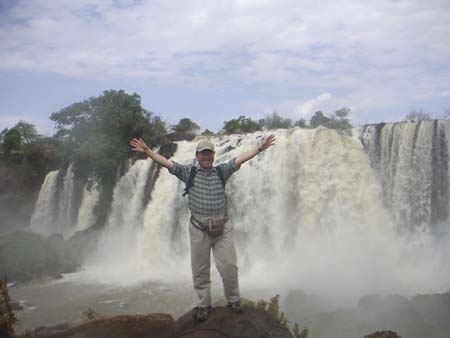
(241, 125)
(338, 120)
(275, 121)
(185, 129)
(12, 140)
(417, 115)
(97, 131)
(95, 135)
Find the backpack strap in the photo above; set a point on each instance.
(221, 176)
(190, 181)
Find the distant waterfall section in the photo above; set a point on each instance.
(57, 211)
(126, 217)
(43, 219)
(411, 164)
(91, 194)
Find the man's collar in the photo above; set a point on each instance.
(197, 165)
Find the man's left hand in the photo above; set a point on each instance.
(267, 142)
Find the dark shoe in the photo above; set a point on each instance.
(235, 307)
(200, 314)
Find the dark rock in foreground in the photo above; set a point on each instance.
(383, 334)
(221, 323)
(137, 326)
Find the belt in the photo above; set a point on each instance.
(207, 222)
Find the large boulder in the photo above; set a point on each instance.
(25, 256)
(221, 322)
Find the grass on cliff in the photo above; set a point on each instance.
(273, 308)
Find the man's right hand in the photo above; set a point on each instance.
(139, 145)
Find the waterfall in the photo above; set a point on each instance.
(411, 163)
(91, 194)
(66, 213)
(339, 213)
(163, 242)
(119, 239)
(310, 209)
(43, 219)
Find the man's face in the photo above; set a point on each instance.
(205, 158)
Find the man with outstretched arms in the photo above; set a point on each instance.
(209, 229)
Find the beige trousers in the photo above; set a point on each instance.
(224, 254)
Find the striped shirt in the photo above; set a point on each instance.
(207, 194)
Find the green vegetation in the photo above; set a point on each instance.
(338, 120)
(417, 115)
(241, 125)
(185, 129)
(275, 121)
(207, 132)
(300, 123)
(25, 159)
(22, 148)
(273, 309)
(94, 135)
(7, 318)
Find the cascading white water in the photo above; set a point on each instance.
(162, 243)
(65, 220)
(89, 199)
(43, 219)
(308, 210)
(330, 212)
(119, 238)
(402, 155)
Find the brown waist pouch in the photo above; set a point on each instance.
(212, 226)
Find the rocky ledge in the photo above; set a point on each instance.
(221, 323)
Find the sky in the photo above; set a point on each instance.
(212, 61)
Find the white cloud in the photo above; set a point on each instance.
(372, 52)
(306, 109)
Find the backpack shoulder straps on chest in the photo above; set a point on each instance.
(221, 176)
(190, 181)
(193, 172)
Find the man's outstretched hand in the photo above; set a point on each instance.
(138, 145)
(267, 142)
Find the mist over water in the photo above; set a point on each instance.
(335, 214)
